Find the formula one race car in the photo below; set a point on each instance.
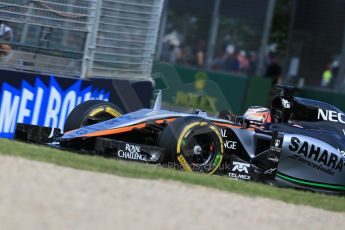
(296, 143)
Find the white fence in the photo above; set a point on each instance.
(87, 38)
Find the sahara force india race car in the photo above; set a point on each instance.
(296, 143)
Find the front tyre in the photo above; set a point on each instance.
(193, 143)
(91, 112)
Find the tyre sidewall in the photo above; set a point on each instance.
(78, 115)
(171, 139)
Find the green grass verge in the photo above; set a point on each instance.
(137, 170)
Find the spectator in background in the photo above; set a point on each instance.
(274, 70)
(6, 36)
(200, 53)
(186, 56)
(327, 76)
(231, 62)
(171, 47)
(243, 61)
(218, 61)
(252, 64)
(335, 67)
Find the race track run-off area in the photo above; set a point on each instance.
(37, 195)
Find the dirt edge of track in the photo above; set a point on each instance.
(36, 195)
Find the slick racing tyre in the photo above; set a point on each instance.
(193, 143)
(91, 112)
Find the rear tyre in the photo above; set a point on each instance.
(193, 143)
(91, 112)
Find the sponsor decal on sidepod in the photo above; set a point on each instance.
(316, 157)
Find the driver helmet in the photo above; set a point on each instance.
(258, 115)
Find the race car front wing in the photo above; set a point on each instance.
(100, 146)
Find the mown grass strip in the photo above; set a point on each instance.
(137, 170)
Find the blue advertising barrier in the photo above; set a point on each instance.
(47, 100)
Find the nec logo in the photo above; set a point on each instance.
(330, 115)
(240, 167)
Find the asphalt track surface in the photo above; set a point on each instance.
(38, 196)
